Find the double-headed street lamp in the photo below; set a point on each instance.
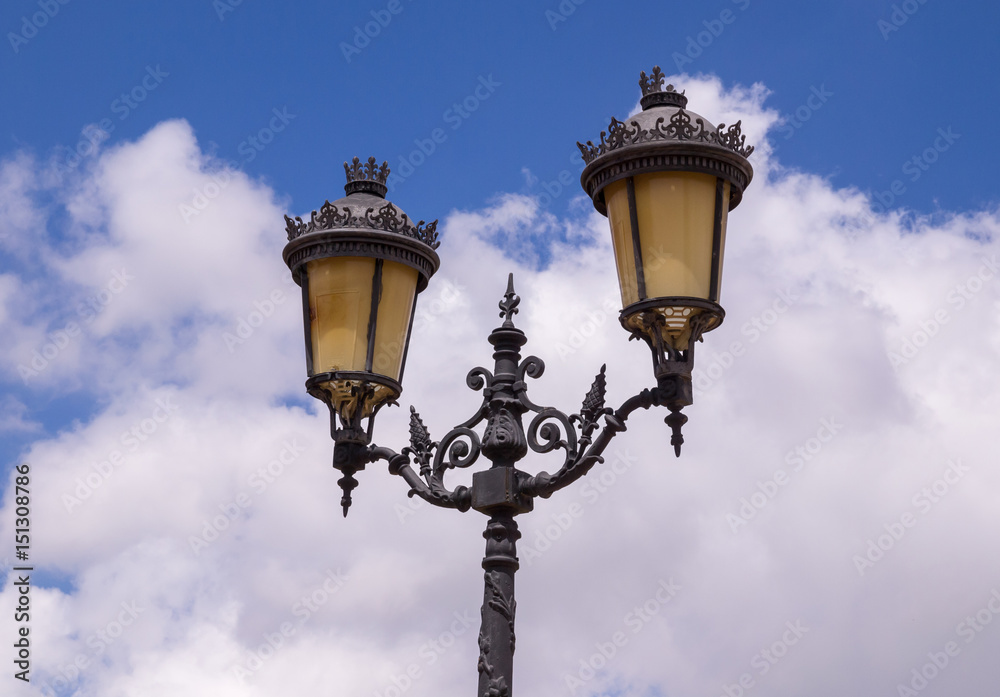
(666, 179)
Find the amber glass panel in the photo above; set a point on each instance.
(399, 286)
(722, 245)
(676, 213)
(616, 199)
(340, 300)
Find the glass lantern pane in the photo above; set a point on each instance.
(616, 199)
(676, 212)
(722, 242)
(399, 287)
(340, 300)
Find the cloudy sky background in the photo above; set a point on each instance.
(855, 379)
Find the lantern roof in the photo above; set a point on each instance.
(364, 207)
(665, 136)
(363, 223)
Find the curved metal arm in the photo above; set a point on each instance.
(544, 484)
(434, 492)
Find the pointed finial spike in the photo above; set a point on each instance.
(508, 306)
(676, 421)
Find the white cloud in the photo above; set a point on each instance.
(831, 314)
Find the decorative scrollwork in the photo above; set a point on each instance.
(680, 127)
(734, 139)
(459, 453)
(544, 426)
(478, 378)
(619, 134)
(532, 367)
(387, 218)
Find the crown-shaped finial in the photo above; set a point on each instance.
(368, 178)
(653, 93)
(652, 83)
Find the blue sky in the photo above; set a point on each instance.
(859, 292)
(559, 77)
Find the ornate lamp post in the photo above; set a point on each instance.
(666, 181)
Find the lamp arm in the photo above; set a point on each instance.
(434, 493)
(544, 484)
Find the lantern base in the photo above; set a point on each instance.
(670, 326)
(673, 321)
(352, 397)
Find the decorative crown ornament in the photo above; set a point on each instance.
(364, 178)
(369, 171)
(676, 126)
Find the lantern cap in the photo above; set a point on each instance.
(363, 207)
(366, 178)
(363, 224)
(665, 136)
(653, 93)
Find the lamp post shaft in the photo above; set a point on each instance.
(496, 635)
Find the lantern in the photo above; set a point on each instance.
(666, 180)
(361, 263)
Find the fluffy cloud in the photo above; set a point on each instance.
(820, 534)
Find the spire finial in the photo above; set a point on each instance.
(508, 306)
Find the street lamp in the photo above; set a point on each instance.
(666, 186)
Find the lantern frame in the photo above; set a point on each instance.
(666, 137)
(361, 225)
